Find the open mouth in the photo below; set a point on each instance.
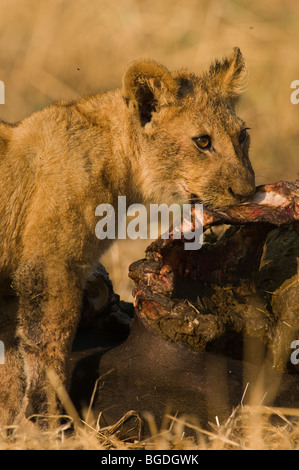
(194, 199)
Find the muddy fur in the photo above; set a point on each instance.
(59, 164)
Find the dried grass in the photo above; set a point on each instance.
(252, 426)
(248, 428)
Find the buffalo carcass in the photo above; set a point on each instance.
(208, 321)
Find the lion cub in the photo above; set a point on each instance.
(163, 137)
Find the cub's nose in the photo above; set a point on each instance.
(242, 193)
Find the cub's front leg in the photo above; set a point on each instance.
(50, 296)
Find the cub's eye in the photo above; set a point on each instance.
(243, 135)
(203, 142)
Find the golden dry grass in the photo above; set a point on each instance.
(63, 49)
(248, 428)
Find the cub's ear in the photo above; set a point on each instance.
(147, 86)
(229, 76)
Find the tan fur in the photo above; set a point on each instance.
(60, 163)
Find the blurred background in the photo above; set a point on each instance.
(63, 49)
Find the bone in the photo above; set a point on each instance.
(276, 203)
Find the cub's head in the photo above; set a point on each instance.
(192, 145)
